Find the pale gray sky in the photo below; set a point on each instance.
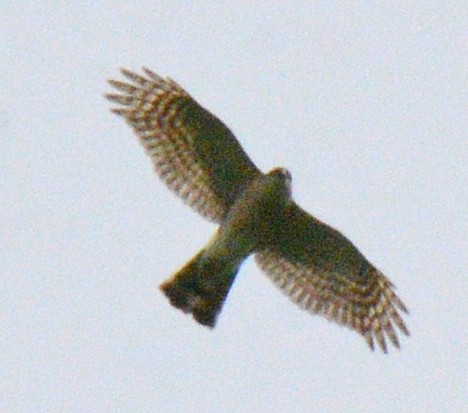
(366, 104)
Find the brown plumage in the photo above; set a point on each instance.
(200, 159)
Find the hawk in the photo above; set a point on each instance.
(200, 159)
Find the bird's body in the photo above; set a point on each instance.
(199, 158)
(249, 224)
(252, 219)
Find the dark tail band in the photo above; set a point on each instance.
(200, 288)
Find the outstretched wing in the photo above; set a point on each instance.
(193, 152)
(324, 273)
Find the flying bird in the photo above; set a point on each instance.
(200, 159)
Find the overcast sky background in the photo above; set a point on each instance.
(365, 103)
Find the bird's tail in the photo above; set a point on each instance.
(201, 287)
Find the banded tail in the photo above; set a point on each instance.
(201, 287)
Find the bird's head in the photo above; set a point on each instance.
(284, 176)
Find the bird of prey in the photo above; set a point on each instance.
(200, 159)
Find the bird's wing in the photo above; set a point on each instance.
(324, 273)
(193, 152)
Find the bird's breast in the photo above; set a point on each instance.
(252, 218)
